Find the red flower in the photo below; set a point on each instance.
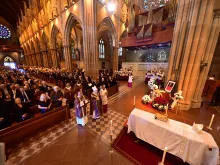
(161, 101)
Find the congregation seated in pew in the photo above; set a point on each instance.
(28, 96)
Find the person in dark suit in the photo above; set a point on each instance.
(56, 96)
(25, 97)
(20, 110)
(44, 87)
(4, 90)
(14, 92)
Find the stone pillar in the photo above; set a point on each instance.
(45, 59)
(68, 59)
(115, 58)
(191, 34)
(38, 54)
(207, 60)
(54, 57)
(89, 37)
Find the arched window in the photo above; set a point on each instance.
(73, 53)
(8, 61)
(120, 51)
(101, 49)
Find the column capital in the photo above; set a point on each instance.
(216, 13)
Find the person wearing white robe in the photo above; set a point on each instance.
(104, 97)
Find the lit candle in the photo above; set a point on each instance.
(164, 155)
(210, 124)
(134, 100)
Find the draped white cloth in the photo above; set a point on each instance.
(180, 139)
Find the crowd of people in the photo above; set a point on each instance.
(20, 91)
(156, 76)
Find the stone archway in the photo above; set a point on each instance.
(57, 48)
(106, 27)
(73, 43)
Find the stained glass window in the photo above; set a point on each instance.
(120, 51)
(101, 49)
(4, 32)
(73, 53)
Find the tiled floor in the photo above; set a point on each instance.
(90, 145)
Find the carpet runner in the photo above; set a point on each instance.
(142, 153)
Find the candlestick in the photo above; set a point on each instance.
(166, 109)
(164, 155)
(111, 128)
(2, 153)
(210, 124)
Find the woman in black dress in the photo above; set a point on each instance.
(44, 103)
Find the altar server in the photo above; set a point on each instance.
(104, 97)
(130, 79)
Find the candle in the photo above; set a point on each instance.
(134, 100)
(2, 153)
(111, 127)
(210, 124)
(164, 155)
(166, 109)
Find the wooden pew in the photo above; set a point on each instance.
(16, 133)
(112, 90)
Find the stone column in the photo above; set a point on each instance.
(68, 59)
(193, 25)
(45, 59)
(207, 60)
(54, 57)
(38, 59)
(115, 58)
(89, 37)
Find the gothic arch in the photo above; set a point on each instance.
(107, 25)
(69, 23)
(54, 32)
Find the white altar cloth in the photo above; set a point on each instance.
(179, 138)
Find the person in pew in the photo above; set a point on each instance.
(56, 96)
(14, 92)
(36, 96)
(44, 103)
(20, 110)
(25, 97)
(4, 90)
(44, 87)
(5, 111)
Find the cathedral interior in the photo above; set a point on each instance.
(109, 82)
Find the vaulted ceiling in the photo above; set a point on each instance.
(10, 10)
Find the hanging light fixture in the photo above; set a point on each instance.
(111, 6)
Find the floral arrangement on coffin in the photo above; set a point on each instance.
(160, 103)
(146, 99)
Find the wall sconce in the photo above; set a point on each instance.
(66, 7)
(73, 2)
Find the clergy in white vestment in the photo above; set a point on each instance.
(104, 97)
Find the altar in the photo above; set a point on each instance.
(179, 138)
